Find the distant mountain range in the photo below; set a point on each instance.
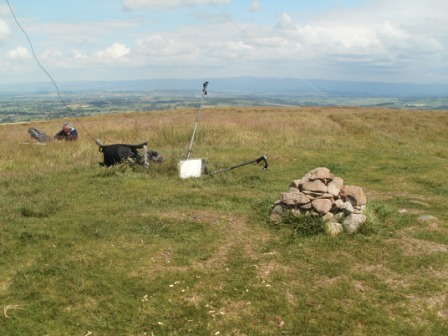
(245, 85)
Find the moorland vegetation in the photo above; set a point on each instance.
(128, 250)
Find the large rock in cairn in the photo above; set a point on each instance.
(320, 193)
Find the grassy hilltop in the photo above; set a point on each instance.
(86, 250)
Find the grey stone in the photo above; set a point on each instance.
(338, 217)
(354, 194)
(322, 206)
(324, 195)
(295, 184)
(277, 213)
(315, 186)
(294, 198)
(306, 206)
(321, 173)
(305, 178)
(334, 187)
(333, 228)
(338, 203)
(353, 222)
(311, 194)
(347, 207)
(327, 217)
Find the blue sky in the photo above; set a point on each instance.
(358, 40)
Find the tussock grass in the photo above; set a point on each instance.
(135, 251)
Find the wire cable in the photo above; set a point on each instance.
(234, 23)
(353, 115)
(310, 84)
(46, 72)
(241, 30)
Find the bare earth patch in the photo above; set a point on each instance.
(415, 247)
(234, 232)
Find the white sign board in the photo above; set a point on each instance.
(191, 168)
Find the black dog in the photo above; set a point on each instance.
(119, 153)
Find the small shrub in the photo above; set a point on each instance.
(381, 220)
(305, 225)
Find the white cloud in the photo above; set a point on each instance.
(113, 54)
(378, 40)
(142, 4)
(79, 55)
(19, 53)
(398, 42)
(396, 39)
(81, 33)
(5, 31)
(343, 44)
(286, 22)
(50, 54)
(4, 10)
(232, 50)
(255, 6)
(172, 51)
(157, 45)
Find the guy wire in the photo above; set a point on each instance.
(234, 23)
(47, 73)
(309, 84)
(241, 30)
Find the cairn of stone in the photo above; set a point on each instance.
(320, 193)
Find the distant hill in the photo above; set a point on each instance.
(246, 85)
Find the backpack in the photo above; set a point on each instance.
(39, 136)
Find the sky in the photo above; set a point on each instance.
(392, 41)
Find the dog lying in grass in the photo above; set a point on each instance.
(134, 154)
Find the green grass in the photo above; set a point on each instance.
(135, 251)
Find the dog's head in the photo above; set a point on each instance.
(155, 156)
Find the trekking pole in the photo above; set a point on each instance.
(261, 158)
(204, 93)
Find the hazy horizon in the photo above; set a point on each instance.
(388, 41)
(247, 84)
